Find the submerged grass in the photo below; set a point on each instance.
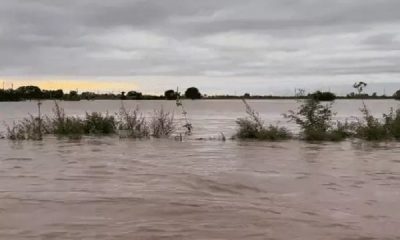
(392, 123)
(371, 128)
(63, 125)
(130, 124)
(99, 124)
(162, 124)
(24, 130)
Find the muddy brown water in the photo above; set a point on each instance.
(107, 188)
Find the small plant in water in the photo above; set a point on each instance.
(133, 123)
(64, 125)
(253, 127)
(188, 125)
(30, 128)
(97, 123)
(369, 128)
(162, 124)
(392, 123)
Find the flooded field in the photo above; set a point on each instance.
(107, 188)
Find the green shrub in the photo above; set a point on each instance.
(69, 126)
(274, 133)
(63, 125)
(370, 128)
(97, 123)
(253, 127)
(247, 129)
(315, 121)
(392, 123)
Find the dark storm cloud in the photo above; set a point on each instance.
(208, 38)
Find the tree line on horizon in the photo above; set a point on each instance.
(24, 93)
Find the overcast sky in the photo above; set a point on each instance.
(220, 46)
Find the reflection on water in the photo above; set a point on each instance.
(162, 189)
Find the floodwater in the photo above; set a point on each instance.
(107, 188)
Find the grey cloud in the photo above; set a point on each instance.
(208, 38)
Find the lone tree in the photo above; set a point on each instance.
(323, 96)
(396, 95)
(193, 93)
(170, 94)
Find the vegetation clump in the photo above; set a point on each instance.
(93, 123)
(253, 127)
(370, 128)
(98, 123)
(162, 124)
(392, 123)
(316, 122)
(30, 128)
(64, 125)
(27, 129)
(132, 124)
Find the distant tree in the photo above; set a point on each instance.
(134, 95)
(73, 96)
(123, 97)
(246, 95)
(88, 95)
(396, 95)
(193, 93)
(170, 95)
(52, 94)
(29, 92)
(58, 94)
(351, 95)
(323, 96)
(9, 95)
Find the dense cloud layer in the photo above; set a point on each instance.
(258, 41)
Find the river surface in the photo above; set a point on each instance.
(111, 188)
